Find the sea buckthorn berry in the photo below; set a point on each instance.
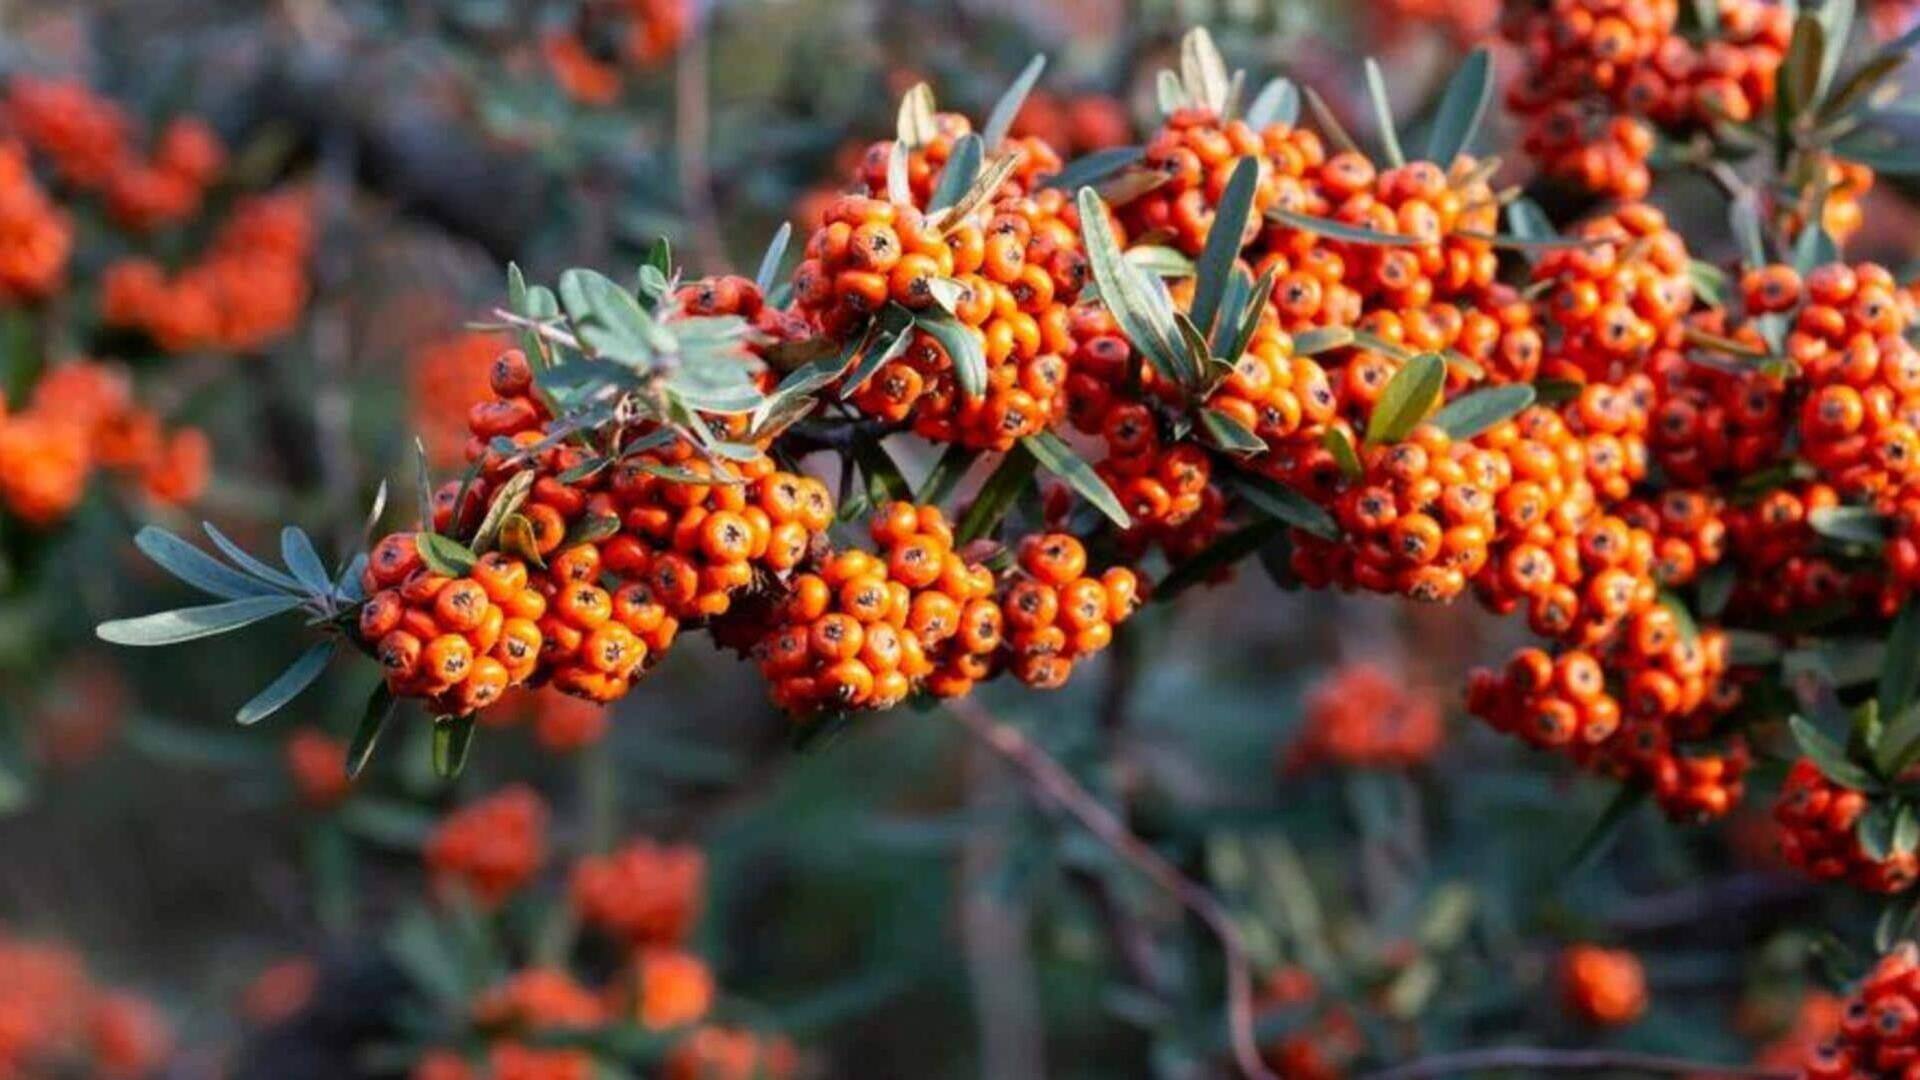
(492, 847)
(1605, 987)
(1818, 823)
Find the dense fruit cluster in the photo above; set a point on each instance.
(36, 238)
(1819, 822)
(1601, 75)
(642, 895)
(247, 290)
(1602, 986)
(91, 143)
(55, 1020)
(1879, 1026)
(1363, 716)
(82, 417)
(1073, 124)
(491, 848)
(1327, 1041)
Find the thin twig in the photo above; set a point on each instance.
(1569, 1061)
(1068, 794)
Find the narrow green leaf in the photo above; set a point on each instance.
(1709, 282)
(1058, 458)
(1256, 307)
(247, 562)
(1203, 72)
(444, 555)
(1900, 674)
(189, 624)
(1322, 339)
(1604, 831)
(964, 349)
(946, 474)
(769, 271)
(452, 738)
(1158, 260)
(1744, 216)
(1836, 21)
(1464, 417)
(1462, 108)
(1222, 553)
(288, 684)
(1007, 109)
(1222, 249)
(1095, 167)
(298, 554)
(1125, 294)
(1407, 400)
(1874, 830)
(996, 495)
(962, 166)
(884, 481)
(872, 358)
(914, 123)
(1530, 223)
(1330, 125)
(1344, 454)
(1278, 102)
(1228, 434)
(1906, 829)
(1829, 756)
(1233, 307)
(1282, 503)
(1850, 525)
(508, 500)
(1894, 924)
(1335, 230)
(196, 567)
(1383, 113)
(1800, 71)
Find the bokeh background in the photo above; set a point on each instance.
(889, 900)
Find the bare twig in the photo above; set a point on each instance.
(1534, 1059)
(1059, 786)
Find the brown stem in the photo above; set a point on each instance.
(1569, 1061)
(1059, 786)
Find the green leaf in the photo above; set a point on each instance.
(609, 321)
(1906, 829)
(508, 500)
(1058, 458)
(189, 624)
(1095, 167)
(1222, 249)
(1798, 83)
(1462, 108)
(196, 567)
(1556, 391)
(1815, 246)
(1850, 525)
(373, 720)
(1126, 294)
(1709, 282)
(1007, 109)
(1203, 72)
(444, 555)
(452, 738)
(1900, 673)
(1282, 503)
(1829, 756)
(961, 169)
(296, 550)
(1894, 924)
(1464, 417)
(1322, 339)
(1278, 102)
(247, 562)
(1233, 308)
(1530, 223)
(1329, 122)
(884, 481)
(1223, 552)
(1344, 454)
(1682, 617)
(946, 474)
(1882, 155)
(996, 495)
(1744, 216)
(1836, 19)
(914, 124)
(1383, 113)
(1860, 85)
(872, 359)
(964, 349)
(769, 271)
(1159, 260)
(1409, 397)
(288, 684)
(1228, 434)
(1256, 307)
(1606, 829)
(1874, 830)
(1335, 230)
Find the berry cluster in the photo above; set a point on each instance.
(83, 417)
(55, 1020)
(1363, 716)
(642, 895)
(1879, 1026)
(1819, 819)
(1601, 75)
(247, 290)
(36, 238)
(91, 144)
(490, 848)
